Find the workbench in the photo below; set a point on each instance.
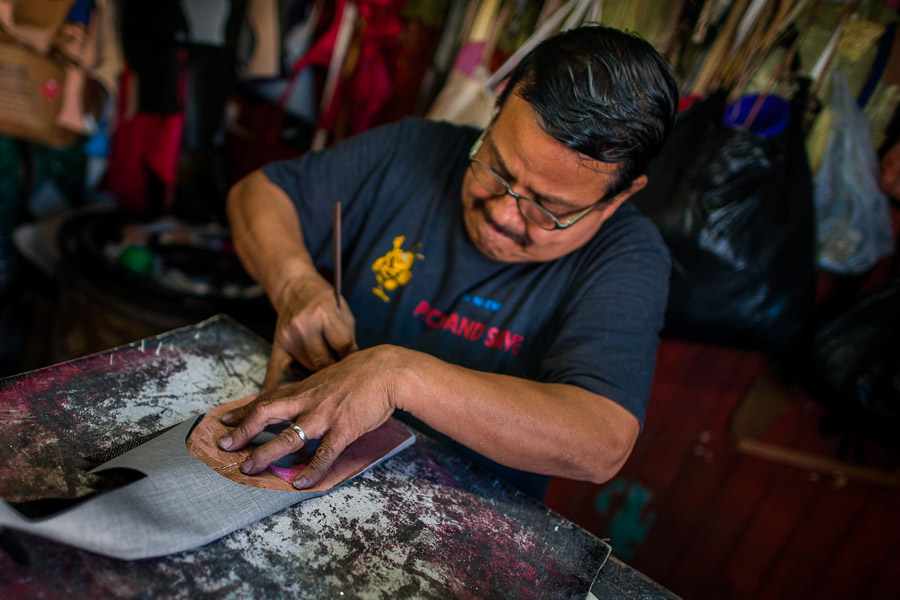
(424, 524)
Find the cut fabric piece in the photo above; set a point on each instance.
(180, 504)
(361, 455)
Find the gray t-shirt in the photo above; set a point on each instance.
(413, 277)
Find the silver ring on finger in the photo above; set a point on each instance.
(300, 433)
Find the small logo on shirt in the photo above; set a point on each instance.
(483, 302)
(394, 268)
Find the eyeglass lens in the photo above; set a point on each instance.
(496, 186)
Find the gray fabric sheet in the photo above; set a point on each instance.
(180, 504)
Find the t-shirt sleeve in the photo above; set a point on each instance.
(316, 180)
(607, 334)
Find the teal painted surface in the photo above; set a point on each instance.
(624, 504)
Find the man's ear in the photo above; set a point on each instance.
(619, 199)
(613, 204)
(636, 185)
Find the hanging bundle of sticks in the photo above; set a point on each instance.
(747, 37)
(751, 33)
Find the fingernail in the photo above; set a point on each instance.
(227, 417)
(225, 442)
(301, 483)
(246, 466)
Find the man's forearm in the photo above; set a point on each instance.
(311, 328)
(554, 429)
(266, 233)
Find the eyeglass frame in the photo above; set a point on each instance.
(557, 224)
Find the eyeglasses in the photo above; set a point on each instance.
(530, 209)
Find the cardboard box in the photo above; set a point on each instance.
(31, 88)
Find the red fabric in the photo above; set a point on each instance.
(371, 83)
(143, 144)
(319, 54)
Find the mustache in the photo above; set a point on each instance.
(521, 239)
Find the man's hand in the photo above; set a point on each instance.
(336, 405)
(268, 238)
(310, 328)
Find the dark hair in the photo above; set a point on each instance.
(604, 93)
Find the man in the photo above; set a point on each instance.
(521, 323)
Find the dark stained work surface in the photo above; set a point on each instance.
(425, 524)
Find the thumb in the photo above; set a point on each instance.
(278, 363)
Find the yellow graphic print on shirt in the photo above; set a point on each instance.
(394, 268)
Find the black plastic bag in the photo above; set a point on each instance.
(736, 211)
(851, 364)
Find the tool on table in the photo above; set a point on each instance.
(336, 235)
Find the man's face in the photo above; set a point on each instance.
(542, 168)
